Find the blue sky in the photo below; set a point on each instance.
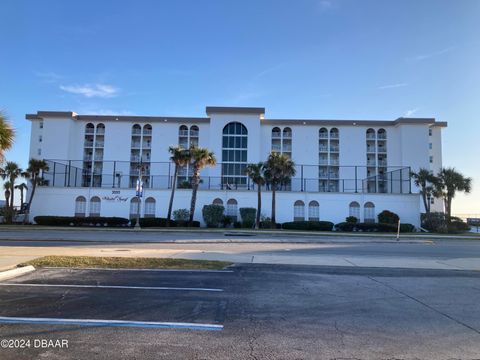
(308, 58)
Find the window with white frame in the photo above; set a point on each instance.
(217, 201)
(149, 207)
(80, 206)
(369, 212)
(95, 206)
(314, 211)
(133, 207)
(232, 209)
(299, 211)
(354, 210)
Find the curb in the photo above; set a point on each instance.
(9, 274)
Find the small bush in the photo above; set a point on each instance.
(388, 217)
(181, 215)
(212, 214)
(187, 223)
(226, 221)
(155, 222)
(345, 226)
(351, 219)
(237, 224)
(376, 227)
(308, 225)
(407, 228)
(248, 217)
(80, 221)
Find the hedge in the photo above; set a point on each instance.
(345, 226)
(308, 225)
(248, 217)
(373, 227)
(80, 221)
(213, 214)
(155, 222)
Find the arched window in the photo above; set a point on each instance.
(95, 204)
(136, 129)
(314, 211)
(323, 133)
(100, 129)
(183, 130)
(382, 134)
(234, 155)
(369, 212)
(334, 133)
(147, 129)
(287, 133)
(194, 131)
(217, 201)
(299, 211)
(134, 207)
(354, 210)
(149, 207)
(80, 206)
(370, 133)
(89, 128)
(232, 209)
(276, 133)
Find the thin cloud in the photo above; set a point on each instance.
(392, 86)
(422, 57)
(49, 77)
(91, 90)
(410, 112)
(108, 112)
(324, 5)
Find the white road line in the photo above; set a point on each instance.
(112, 287)
(155, 270)
(107, 323)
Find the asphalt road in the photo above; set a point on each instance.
(253, 312)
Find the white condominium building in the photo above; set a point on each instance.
(343, 167)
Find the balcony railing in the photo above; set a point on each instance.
(99, 144)
(323, 149)
(371, 136)
(135, 145)
(287, 147)
(382, 149)
(276, 135)
(147, 132)
(194, 133)
(88, 144)
(287, 135)
(136, 131)
(334, 148)
(183, 133)
(382, 136)
(100, 131)
(89, 131)
(370, 149)
(276, 147)
(323, 135)
(334, 135)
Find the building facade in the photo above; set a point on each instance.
(343, 167)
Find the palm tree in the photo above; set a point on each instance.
(199, 158)
(449, 183)
(34, 170)
(425, 180)
(180, 157)
(279, 168)
(7, 135)
(21, 187)
(6, 188)
(12, 172)
(256, 173)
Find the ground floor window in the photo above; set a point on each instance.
(299, 211)
(232, 209)
(149, 207)
(354, 210)
(369, 212)
(314, 211)
(80, 206)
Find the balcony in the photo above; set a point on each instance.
(100, 131)
(334, 148)
(89, 131)
(276, 147)
(371, 136)
(323, 135)
(334, 162)
(370, 150)
(382, 149)
(323, 162)
(194, 133)
(88, 144)
(276, 135)
(135, 145)
(382, 163)
(287, 148)
(323, 149)
(99, 144)
(136, 132)
(328, 175)
(147, 145)
(371, 163)
(334, 135)
(287, 135)
(382, 136)
(183, 133)
(147, 132)
(87, 158)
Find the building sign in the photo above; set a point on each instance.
(115, 197)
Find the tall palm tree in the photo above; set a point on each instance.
(180, 157)
(256, 173)
(21, 187)
(12, 172)
(199, 158)
(425, 180)
(33, 173)
(449, 183)
(7, 135)
(6, 188)
(279, 168)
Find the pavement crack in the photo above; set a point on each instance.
(426, 305)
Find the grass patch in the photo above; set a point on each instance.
(125, 263)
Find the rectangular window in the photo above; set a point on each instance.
(430, 146)
(430, 132)
(431, 159)
(40, 138)
(40, 125)
(39, 152)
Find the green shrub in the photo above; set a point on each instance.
(345, 226)
(212, 214)
(388, 217)
(248, 216)
(80, 221)
(226, 221)
(351, 219)
(156, 222)
(376, 227)
(181, 215)
(458, 226)
(435, 222)
(308, 225)
(237, 224)
(183, 223)
(407, 228)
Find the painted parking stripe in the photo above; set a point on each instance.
(112, 287)
(152, 270)
(108, 323)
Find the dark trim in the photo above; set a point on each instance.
(234, 110)
(161, 119)
(374, 123)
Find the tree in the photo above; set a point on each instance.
(199, 158)
(180, 157)
(426, 181)
(279, 168)
(21, 187)
(256, 173)
(7, 134)
(6, 188)
(11, 171)
(34, 170)
(449, 182)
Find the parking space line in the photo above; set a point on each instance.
(108, 323)
(153, 270)
(113, 287)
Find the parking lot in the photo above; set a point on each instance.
(247, 311)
